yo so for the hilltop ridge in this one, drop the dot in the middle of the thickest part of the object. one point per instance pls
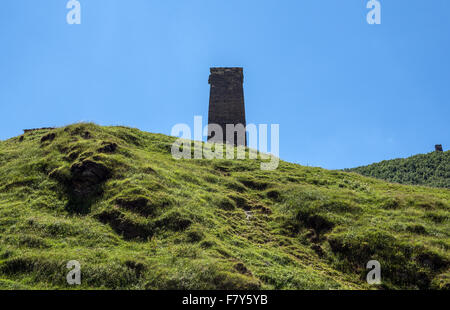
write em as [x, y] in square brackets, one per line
[431, 169]
[114, 199]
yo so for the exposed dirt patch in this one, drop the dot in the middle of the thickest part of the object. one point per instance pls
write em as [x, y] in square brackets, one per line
[432, 261]
[48, 137]
[108, 147]
[72, 156]
[241, 202]
[312, 236]
[21, 183]
[140, 205]
[227, 204]
[318, 249]
[138, 267]
[87, 176]
[223, 168]
[255, 184]
[124, 226]
[417, 229]
[149, 170]
[242, 269]
[82, 184]
[174, 221]
[195, 234]
[274, 194]
[317, 222]
[262, 209]
[235, 186]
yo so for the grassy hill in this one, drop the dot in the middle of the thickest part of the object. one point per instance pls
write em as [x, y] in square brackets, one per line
[114, 199]
[432, 169]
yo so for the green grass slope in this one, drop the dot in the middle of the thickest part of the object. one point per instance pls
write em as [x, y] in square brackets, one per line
[432, 169]
[114, 199]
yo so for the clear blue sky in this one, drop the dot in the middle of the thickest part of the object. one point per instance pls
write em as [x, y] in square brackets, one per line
[345, 93]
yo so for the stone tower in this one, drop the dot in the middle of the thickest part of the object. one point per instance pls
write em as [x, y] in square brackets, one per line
[226, 103]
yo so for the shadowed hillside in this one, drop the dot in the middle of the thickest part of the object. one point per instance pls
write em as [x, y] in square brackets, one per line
[432, 169]
[114, 199]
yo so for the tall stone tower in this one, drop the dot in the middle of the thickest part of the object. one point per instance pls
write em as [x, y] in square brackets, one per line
[226, 102]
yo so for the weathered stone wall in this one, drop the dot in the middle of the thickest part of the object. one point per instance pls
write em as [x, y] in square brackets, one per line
[226, 101]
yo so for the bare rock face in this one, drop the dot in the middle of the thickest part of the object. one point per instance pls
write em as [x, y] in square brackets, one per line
[438, 148]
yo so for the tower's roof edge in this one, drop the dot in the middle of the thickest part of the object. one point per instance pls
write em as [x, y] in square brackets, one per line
[226, 69]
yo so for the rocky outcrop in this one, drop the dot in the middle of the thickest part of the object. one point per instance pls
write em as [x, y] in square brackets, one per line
[82, 183]
[87, 176]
